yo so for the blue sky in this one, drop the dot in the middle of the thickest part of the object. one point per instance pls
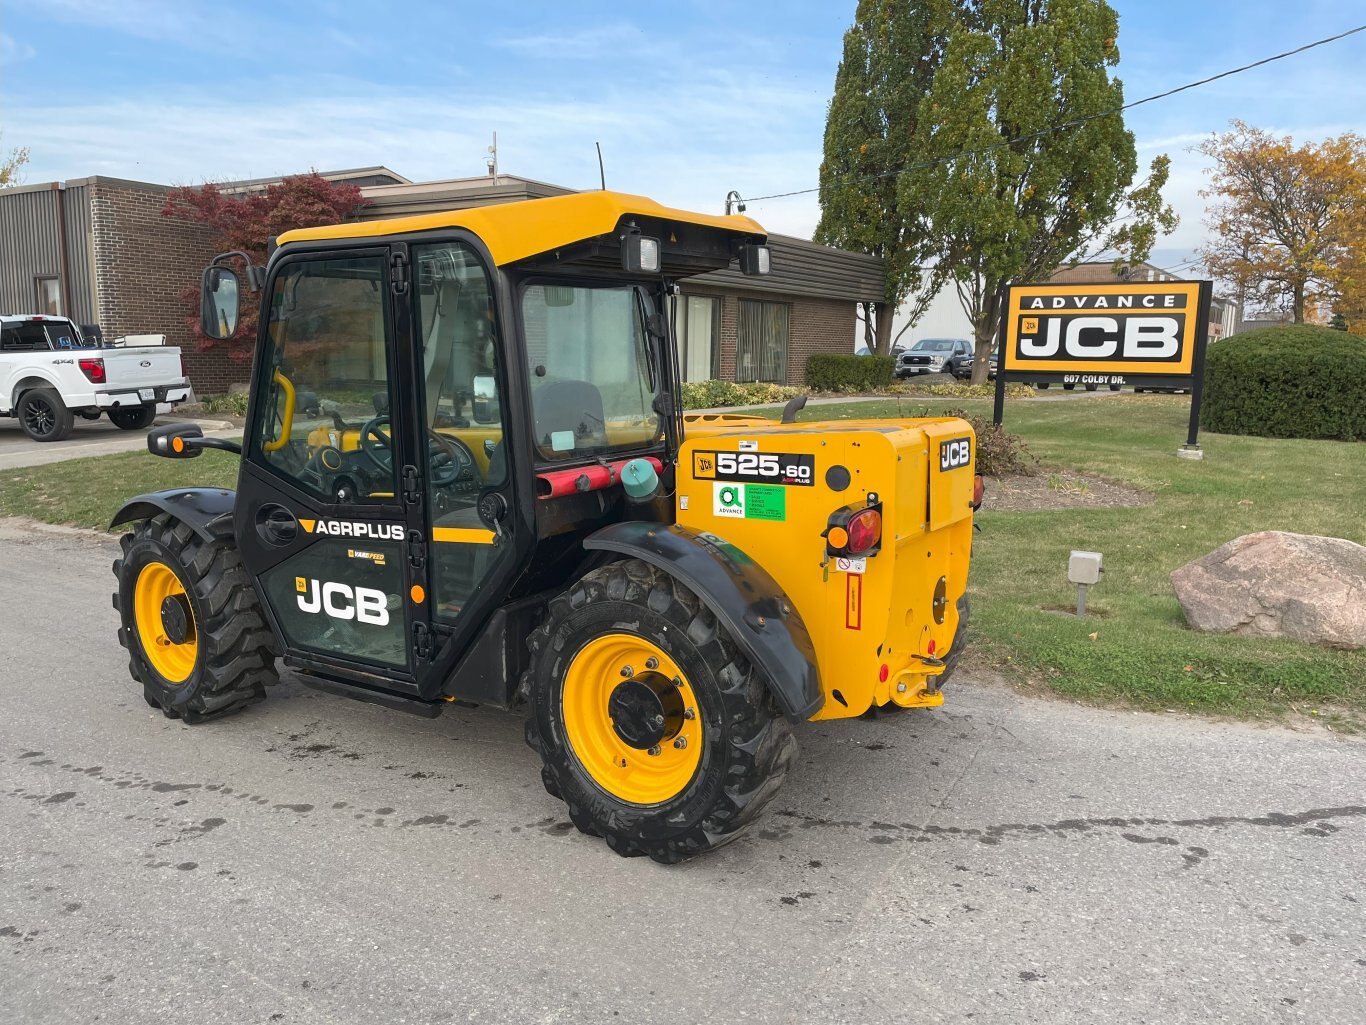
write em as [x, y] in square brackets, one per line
[689, 99]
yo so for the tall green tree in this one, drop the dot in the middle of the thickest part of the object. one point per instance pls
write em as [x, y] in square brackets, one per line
[1024, 93]
[891, 54]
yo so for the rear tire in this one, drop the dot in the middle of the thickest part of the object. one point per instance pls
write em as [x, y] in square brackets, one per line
[44, 416]
[220, 655]
[741, 746]
[137, 418]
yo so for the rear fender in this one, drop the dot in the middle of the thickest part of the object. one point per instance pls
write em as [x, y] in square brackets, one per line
[206, 511]
[743, 597]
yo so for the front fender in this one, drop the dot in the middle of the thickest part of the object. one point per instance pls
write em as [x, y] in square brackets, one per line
[206, 511]
[743, 597]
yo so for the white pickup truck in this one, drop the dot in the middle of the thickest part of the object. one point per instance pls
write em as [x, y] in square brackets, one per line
[49, 375]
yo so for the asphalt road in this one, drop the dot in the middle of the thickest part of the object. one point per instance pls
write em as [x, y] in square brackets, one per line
[87, 438]
[1003, 860]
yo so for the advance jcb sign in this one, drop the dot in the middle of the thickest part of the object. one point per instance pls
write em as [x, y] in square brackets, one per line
[1145, 333]
[1149, 334]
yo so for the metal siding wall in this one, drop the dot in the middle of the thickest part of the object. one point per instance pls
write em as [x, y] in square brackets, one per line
[80, 255]
[28, 226]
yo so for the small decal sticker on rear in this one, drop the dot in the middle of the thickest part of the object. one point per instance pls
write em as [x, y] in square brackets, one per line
[748, 446]
[749, 501]
[853, 602]
[376, 557]
[852, 564]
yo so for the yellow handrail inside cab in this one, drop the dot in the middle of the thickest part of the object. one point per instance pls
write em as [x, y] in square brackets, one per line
[287, 420]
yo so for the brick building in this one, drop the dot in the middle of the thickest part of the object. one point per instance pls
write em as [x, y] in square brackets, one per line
[98, 250]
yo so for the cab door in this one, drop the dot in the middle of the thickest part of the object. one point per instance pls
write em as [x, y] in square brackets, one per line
[459, 382]
[329, 492]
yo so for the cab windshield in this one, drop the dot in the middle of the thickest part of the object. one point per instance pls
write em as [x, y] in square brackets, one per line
[933, 345]
[590, 365]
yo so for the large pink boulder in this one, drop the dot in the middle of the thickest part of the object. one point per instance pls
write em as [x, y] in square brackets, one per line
[1276, 584]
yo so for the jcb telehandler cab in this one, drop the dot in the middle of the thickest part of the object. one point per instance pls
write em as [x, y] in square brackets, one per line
[466, 476]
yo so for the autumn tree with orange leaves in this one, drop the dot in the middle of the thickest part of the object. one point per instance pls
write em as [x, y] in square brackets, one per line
[1289, 222]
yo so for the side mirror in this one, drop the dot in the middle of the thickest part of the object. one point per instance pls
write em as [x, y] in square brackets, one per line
[174, 441]
[219, 294]
[486, 399]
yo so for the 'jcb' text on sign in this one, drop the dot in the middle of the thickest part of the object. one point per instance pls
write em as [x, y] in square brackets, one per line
[1130, 329]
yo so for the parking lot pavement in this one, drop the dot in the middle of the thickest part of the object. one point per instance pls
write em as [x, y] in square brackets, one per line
[1004, 859]
[87, 438]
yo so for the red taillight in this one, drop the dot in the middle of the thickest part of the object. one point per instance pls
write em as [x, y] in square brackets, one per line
[93, 369]
[865, 531]
[978, 488]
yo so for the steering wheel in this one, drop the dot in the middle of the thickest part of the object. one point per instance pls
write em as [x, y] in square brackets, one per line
[376, 443]
[450, 459]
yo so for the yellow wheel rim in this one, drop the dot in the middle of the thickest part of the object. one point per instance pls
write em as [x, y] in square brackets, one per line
[596, 688]
[174, 662]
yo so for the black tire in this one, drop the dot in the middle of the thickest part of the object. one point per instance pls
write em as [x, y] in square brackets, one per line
[44, 416]
[747, 745]
[1092, 387]
[1070, 386]
[1116, 387]
[136, 418]
[234, 659]
[1043, 386]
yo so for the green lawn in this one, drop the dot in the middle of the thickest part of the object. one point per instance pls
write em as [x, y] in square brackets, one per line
[1142, 652]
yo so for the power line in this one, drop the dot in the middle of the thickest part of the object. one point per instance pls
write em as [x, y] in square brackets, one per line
[1066, 124]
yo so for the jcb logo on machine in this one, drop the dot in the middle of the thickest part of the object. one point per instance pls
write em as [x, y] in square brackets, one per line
[342, 601]
[353, 528]
[954, 453]
[755, 467]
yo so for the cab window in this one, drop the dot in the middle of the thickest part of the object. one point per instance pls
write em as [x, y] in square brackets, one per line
[325, 422]
[591, 370]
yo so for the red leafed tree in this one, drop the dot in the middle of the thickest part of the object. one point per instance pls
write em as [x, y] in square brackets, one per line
[250, 222]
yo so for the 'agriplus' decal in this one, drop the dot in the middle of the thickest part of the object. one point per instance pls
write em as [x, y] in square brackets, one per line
[353, 528]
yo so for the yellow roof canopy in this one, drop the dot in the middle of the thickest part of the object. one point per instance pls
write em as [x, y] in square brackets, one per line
[515, 231]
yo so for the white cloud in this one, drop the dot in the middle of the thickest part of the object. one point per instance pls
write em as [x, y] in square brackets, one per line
[13, 52]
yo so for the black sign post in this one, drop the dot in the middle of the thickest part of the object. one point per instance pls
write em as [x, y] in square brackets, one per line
[1150, 334]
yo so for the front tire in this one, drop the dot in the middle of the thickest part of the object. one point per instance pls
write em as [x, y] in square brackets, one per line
[44, 415]
[674, 759]
[196, 638]
[136, 418]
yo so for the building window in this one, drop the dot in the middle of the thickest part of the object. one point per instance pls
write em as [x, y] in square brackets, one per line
[761, 341]
[49, 296]
[697, 324]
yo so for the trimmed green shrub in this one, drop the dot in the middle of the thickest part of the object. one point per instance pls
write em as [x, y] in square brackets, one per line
[828, 372]
[710, 394]
[1296, 381]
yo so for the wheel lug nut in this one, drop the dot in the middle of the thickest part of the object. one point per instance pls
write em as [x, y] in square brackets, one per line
[627, 672]
[688, 713]
[652, 663]
[653, 752]
[659, 720]
[680, 742]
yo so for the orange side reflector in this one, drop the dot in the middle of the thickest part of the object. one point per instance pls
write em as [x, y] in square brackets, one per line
[837, 537]
[417, 594]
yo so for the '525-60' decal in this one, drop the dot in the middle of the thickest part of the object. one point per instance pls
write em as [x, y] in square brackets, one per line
[755, 467]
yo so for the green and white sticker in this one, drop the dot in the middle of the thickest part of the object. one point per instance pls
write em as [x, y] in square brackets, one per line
[749, 501]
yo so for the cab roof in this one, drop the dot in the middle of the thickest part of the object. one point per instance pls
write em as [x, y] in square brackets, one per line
[516, 231]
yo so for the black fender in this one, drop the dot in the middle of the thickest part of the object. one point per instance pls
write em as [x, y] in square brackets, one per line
[206, 511]
[741, 594]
